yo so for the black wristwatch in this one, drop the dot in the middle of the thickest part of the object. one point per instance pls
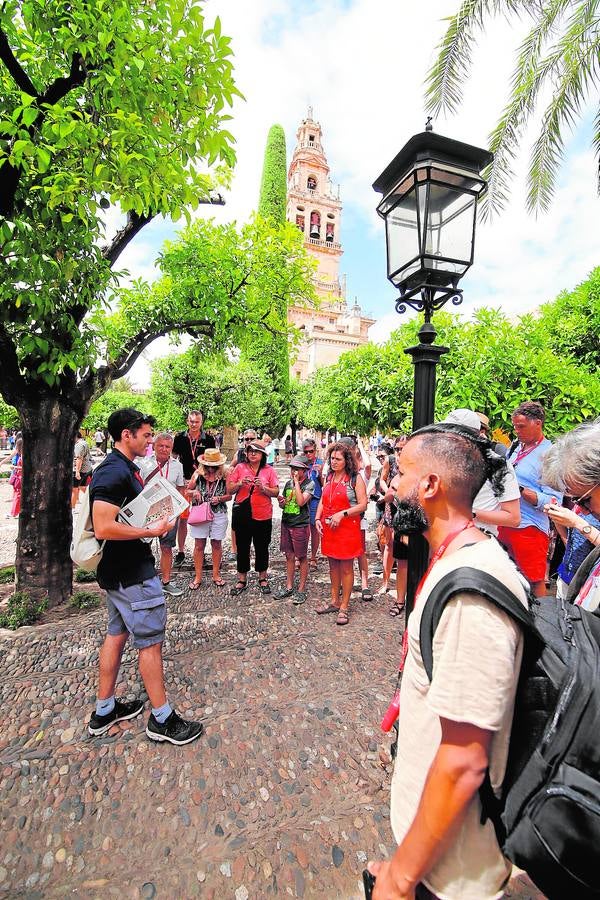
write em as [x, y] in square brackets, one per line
[345, 512]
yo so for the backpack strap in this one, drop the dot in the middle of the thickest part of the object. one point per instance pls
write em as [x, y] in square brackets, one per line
[466, 580]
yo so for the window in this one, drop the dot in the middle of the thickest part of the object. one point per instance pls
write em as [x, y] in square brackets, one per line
[311, 183]
[329, 232]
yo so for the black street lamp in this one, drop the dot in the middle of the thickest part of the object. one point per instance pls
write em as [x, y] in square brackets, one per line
[430, 192]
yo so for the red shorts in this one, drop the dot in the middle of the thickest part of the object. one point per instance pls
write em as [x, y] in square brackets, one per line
[294, 540]
[529, 549]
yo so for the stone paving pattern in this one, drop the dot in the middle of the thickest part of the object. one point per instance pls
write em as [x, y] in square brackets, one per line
[286, 794]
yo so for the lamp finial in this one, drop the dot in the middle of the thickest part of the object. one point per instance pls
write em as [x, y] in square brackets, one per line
[428, 125]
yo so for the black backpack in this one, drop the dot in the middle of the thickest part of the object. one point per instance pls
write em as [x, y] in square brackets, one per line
[547, 820]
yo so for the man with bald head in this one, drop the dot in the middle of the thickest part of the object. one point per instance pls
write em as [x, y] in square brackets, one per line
[455, 727]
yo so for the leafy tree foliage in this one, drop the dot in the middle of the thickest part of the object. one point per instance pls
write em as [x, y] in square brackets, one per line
[571, 323]
[230, 393]
[270, 352]
[9, 417]
[492, 365]
[117, 396]
[273, 185]
[559, 56]
[103, 103]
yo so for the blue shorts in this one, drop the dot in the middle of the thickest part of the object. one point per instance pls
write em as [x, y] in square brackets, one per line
[139, 609]
[313, 507]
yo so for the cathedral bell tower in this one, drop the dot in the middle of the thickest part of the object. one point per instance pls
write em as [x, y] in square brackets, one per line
[315, 206]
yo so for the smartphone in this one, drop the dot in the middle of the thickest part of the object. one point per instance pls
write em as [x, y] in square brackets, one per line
[369, 884]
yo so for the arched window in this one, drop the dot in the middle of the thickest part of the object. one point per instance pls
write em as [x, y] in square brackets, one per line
[315, 224]
[300, 222]
[311, 183]
[329, 232]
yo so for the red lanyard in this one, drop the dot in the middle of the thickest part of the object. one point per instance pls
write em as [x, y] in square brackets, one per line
[523, 453]
[436, 556]
[139, 478]
[166, 475]
[193, 446]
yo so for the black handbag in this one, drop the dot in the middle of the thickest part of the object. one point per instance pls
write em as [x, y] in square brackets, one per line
[241, 515]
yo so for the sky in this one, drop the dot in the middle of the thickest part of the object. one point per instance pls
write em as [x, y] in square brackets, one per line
[361, 65]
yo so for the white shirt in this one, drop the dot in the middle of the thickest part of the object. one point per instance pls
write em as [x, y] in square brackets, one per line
[486, 498]
[172, 469]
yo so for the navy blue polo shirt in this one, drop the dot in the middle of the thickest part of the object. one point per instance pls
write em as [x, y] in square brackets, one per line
[123, 562]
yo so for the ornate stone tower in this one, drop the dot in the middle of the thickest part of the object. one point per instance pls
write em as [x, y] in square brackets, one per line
[314, 205]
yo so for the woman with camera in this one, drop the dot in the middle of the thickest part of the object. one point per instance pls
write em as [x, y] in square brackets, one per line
[254, 484]
[337, 520]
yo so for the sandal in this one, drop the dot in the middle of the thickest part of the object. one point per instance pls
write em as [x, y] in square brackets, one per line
[384, 589]
[239, 587]
[332, 608]
[367, 595]
[264, 586]
[342, 618]
[218, 582]
[396, 610]
[194, 585]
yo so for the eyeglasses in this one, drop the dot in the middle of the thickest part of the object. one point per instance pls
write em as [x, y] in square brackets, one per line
[398, 449]
[309, 450]
[381, 457]
[584, 500]
[249, 440]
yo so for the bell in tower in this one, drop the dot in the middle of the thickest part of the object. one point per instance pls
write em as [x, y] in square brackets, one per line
[315, 225]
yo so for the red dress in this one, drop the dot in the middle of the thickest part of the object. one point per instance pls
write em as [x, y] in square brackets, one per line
[345, 541]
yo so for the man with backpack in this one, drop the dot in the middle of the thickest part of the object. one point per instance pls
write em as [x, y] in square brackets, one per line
[455, 726]
[134, 595]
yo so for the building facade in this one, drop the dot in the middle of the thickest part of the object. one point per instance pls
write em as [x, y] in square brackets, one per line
[314, 205]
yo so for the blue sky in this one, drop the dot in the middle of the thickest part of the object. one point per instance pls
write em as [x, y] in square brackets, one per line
[361, 65]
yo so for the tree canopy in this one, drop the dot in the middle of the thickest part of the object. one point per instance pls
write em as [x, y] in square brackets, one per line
[492, 366]
[558, 57]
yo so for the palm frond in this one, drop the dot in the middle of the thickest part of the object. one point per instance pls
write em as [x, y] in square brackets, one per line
[446, 77]
[529, 76]
[575, 59]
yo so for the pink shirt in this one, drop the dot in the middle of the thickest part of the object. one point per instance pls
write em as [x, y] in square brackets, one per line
[262, 506]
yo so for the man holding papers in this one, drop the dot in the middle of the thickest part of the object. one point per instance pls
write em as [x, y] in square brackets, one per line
[135, 600]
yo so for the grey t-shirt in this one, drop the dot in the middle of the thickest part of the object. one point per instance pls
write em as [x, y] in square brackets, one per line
[293, 513]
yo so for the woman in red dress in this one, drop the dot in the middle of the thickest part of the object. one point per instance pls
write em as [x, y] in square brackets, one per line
[337, 520]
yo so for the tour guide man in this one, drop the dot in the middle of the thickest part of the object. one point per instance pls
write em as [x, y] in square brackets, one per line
[456, 726]
[136, 605]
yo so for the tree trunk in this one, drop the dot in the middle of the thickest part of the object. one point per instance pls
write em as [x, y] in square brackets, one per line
[294, 430]
[44, 567]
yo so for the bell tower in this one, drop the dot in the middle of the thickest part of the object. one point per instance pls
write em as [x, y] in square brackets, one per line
[314, 205]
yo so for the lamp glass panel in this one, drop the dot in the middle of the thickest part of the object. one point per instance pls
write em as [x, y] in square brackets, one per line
[403, 235]
[448, 226]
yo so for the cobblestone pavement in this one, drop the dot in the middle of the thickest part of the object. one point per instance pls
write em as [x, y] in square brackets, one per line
[286, 794]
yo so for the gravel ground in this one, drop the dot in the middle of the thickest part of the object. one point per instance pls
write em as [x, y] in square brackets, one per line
[287, 793]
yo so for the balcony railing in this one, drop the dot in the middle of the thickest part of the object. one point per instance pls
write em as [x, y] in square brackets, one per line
[331, 245]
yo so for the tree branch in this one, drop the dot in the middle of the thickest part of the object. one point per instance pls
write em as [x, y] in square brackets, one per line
[126, 234]
[100, 380]
[135, 223]
[60, 87]
[14, 385]
[20, 76]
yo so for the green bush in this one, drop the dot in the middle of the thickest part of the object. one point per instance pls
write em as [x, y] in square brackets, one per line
[83, 576]
[85, 600]
[7, 575]
[22, 610]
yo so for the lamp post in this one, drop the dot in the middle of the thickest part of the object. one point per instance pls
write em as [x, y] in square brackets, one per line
[429, 205]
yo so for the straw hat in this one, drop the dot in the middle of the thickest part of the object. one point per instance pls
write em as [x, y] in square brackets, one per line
[212, 457]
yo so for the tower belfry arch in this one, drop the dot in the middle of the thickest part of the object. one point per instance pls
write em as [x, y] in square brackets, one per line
[314, 205]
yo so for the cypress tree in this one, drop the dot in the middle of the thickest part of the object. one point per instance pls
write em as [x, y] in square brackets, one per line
[269, 351]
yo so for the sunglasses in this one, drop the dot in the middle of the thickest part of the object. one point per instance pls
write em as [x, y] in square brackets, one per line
[249, 440]
[584, 500]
